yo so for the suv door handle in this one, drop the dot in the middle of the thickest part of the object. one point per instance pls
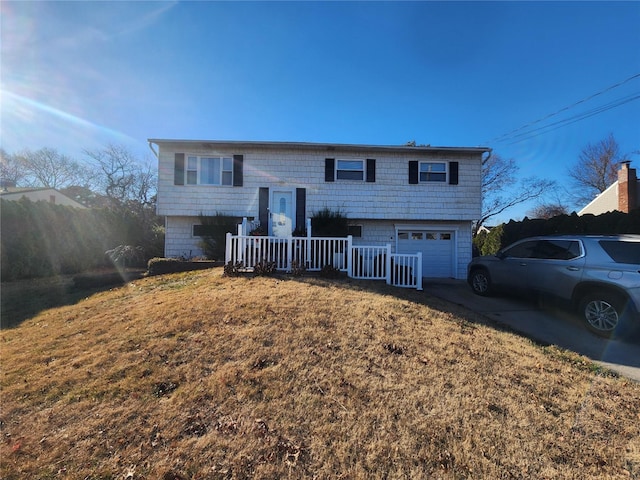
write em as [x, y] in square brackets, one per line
[573, 269]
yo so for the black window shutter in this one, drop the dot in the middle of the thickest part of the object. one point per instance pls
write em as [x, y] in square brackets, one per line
[371, 170]
[178, 169]
[301, 208]
[237, 170]
[453, 173]
[413, 172]
[329, 169]
[263, 207]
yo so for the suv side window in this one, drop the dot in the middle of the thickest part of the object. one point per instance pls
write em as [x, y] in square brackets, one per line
[557, 249]
[622, 252]
[574, 250]
[522, 250]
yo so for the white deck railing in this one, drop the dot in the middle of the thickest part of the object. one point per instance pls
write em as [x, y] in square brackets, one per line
[314, 253]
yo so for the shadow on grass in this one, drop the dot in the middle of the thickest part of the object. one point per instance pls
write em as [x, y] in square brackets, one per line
[618, 350]
[24, 299]
[409, 294]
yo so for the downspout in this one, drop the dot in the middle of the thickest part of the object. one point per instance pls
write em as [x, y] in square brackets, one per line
[152, 149]
[166, 219]
[490, 152]
[476, 224]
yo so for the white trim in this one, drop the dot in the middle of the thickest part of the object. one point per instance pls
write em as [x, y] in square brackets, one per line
[235, 144]
[446, 171]
[363, 170]
[198, 170]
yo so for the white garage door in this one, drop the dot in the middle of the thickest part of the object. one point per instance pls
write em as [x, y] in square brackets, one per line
[437, 249]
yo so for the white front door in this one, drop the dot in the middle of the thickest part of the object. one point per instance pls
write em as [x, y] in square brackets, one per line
[281, 213]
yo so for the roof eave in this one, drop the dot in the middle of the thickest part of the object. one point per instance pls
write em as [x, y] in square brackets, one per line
[317, 146]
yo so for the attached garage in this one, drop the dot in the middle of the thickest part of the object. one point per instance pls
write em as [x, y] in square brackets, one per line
[438, 249]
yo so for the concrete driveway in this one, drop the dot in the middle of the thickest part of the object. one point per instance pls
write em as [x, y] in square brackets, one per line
[545, 324]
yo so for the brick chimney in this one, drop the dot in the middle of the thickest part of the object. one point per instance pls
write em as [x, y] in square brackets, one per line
[627, 188]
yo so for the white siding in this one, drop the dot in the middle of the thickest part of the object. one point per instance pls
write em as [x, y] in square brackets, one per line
[181, 243]
[179, 239]
[376, 233]
[380, 207]
[607, 201]
[390, 196]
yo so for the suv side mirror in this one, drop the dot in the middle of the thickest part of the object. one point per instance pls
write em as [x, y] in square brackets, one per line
[500, 254]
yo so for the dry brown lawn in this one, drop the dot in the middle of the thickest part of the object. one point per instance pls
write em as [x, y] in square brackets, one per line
[198, 376]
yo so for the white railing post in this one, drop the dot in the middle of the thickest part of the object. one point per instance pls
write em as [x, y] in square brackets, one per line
[308, 245]
[388, 264]
[239, 249]
[289, 252]
[227, 254]
[349, 256]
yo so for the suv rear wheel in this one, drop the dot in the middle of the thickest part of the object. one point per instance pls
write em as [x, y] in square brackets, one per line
[602, 312]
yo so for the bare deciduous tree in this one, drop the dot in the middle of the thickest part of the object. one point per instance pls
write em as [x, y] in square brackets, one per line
[596, 169]
[47, 167]
[547, 210]
[501, 190]
[11, 171]
[122, 177]
[129, 186]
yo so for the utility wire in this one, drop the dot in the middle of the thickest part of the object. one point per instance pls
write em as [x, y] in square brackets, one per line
[509, 135]
[573, 119]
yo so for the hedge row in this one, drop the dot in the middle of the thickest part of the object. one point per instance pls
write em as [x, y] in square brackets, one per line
[160, 266]
[40, 239]
[610, 223]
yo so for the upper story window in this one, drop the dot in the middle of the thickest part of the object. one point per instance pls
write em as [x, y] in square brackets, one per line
[433, 172]
[350, 169]
[209, 170]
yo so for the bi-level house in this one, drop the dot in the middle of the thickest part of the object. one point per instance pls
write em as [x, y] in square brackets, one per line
[413, 198]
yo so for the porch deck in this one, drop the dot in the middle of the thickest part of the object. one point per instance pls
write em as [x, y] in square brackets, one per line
[315, 253]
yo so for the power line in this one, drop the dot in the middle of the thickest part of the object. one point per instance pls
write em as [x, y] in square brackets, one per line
[509, 135]
[573, 119]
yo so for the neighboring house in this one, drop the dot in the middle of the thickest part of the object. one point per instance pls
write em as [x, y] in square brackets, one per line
[485, 229]
[50, 195]
[414, 198]
[622, 195]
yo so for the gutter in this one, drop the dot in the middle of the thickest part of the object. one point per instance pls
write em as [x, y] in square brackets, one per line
[309, 146]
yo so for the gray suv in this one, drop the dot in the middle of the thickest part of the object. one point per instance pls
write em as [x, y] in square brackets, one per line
[598, 275]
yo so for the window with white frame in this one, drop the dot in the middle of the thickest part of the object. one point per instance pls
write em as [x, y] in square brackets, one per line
[433, 172]
[209, 170]
[350, 169]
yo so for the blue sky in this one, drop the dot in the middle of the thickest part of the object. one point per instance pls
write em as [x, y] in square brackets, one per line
[79, 75]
